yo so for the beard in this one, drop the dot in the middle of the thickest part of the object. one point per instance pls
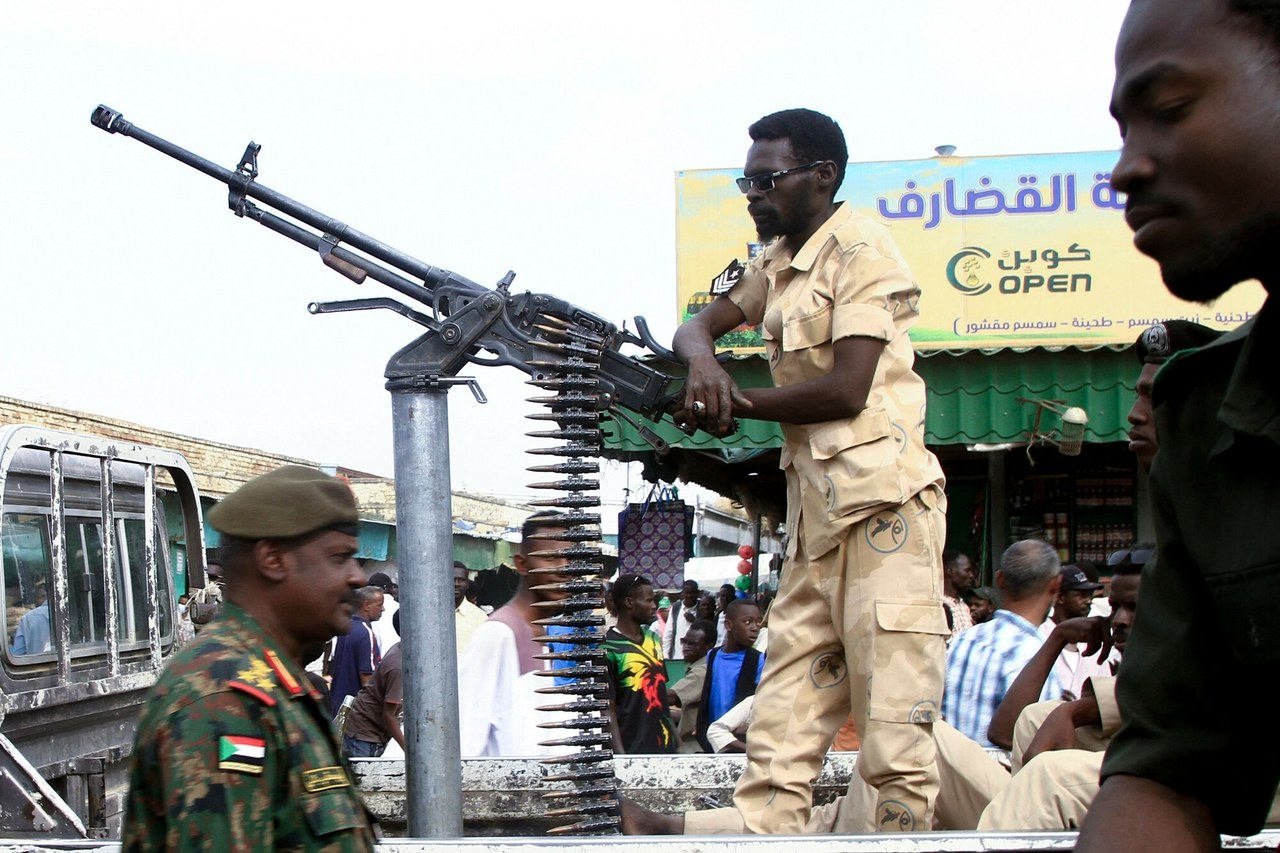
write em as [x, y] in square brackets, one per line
[770, 228]
[1224, 261]
[774, 224]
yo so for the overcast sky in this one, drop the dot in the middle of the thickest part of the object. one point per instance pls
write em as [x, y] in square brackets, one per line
[481, 137]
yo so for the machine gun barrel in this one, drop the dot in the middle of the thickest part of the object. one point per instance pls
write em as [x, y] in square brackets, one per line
[515, 335]
[242, 183]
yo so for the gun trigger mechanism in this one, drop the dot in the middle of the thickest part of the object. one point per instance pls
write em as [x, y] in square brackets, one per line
[657, 442]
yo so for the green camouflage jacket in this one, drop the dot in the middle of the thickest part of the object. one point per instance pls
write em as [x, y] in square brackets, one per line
[235, 753]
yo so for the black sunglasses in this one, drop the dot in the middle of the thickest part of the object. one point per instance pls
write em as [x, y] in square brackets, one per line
[764, 183]
[1135, 557]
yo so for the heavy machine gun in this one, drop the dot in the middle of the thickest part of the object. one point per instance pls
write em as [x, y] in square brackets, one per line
[469, 323]
[565, 350]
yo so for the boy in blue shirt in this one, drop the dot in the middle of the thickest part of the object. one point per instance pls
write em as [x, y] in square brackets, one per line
[733, 670]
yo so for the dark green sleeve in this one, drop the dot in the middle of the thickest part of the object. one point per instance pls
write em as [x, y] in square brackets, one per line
[1187, 703]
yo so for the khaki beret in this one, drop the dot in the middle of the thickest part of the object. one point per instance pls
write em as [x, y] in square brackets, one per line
[287, 502]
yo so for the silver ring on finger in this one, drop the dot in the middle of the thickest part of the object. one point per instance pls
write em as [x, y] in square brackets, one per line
[699, 408]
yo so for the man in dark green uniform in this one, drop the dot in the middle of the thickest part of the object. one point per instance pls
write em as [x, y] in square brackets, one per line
[1197, 97]
[235, 751]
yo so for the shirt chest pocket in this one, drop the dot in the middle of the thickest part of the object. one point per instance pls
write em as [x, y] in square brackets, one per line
[806, 330]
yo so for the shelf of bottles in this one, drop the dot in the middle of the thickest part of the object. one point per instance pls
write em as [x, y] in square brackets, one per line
[1104, 508]
[1085, 514]
[1040, 508]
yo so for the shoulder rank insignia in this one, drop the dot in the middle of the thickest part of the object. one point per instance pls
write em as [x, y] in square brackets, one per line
[727, 278]
[282, 672]
[241, 754]
[256, 679]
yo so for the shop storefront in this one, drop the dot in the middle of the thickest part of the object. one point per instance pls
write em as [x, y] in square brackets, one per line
[1004, 482]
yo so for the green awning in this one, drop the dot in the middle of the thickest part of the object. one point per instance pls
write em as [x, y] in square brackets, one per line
[972, 399]
[374, 540]
[973, 396]
[478, 553]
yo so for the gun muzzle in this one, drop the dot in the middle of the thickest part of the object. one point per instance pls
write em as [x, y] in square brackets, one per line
[107, 119]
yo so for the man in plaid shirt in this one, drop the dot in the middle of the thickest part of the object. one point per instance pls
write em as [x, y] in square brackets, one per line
[983, 661]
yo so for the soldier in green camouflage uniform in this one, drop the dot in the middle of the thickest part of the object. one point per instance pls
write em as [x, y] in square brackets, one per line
[235, 751]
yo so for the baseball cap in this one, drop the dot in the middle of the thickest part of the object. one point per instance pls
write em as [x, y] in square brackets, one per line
[987, 593]
[381, 580]
[1074, 578]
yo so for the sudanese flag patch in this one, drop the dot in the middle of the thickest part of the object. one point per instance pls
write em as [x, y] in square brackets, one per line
[241, 754]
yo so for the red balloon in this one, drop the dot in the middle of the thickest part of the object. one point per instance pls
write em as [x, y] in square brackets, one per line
[744, 567]
[746, 552]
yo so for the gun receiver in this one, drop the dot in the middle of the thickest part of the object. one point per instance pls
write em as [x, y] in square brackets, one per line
[532, 332]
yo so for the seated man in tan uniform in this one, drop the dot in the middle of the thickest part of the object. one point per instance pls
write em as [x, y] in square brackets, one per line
[686, 694]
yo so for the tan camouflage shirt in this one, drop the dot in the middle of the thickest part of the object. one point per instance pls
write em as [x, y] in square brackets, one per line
[235, 753]
[846, 280]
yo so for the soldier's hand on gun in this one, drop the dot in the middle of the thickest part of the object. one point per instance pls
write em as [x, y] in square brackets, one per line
[711, 399]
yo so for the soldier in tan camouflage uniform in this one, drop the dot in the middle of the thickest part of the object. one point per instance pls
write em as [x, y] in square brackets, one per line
[858, 624]
[235, 751]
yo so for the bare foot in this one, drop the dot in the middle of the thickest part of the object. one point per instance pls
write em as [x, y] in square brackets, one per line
[637, 820]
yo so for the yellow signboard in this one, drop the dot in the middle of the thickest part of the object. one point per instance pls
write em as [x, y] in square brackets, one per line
[1018, 251]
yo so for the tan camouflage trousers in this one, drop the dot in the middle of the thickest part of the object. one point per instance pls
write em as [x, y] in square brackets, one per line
[1052, 792]
[859, 631]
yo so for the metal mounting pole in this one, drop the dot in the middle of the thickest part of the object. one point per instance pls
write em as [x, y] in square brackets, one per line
[424, 540]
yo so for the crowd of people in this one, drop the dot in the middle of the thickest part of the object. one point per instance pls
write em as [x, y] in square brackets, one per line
[1129, 729]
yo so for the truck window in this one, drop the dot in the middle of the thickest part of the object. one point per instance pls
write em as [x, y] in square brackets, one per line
[132, 583]
[85, 586]
[30, 615]
[87, 589]
[24, 542]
